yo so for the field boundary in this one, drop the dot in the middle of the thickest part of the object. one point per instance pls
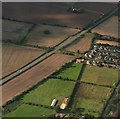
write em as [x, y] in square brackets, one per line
[108, 101]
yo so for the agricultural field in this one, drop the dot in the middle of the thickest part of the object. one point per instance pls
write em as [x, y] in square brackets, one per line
[100, 76]
[90, 99]
[70, 72]
[14, 31]
[96, 7]
[11, 61]
[45, 93]
[108, 27]
[49, 36]
[34, 75]
[30, 111]
[113, 43]
[51, 13]
[81, 44]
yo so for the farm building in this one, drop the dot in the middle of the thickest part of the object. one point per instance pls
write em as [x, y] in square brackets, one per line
[64, 103]
[54, 102]
[79, 60]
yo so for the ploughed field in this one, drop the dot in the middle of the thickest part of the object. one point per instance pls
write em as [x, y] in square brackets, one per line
[113, 43]
[56, 13]
[96, 7]
[14, 31]
[81, 44]
[34, 75]
[15, 57]
[108, 27]
[55, 35]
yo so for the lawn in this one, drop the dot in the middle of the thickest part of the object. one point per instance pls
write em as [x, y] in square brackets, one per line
[98, 75]
[53, 88]
[90, 99]
[71, 72]
[30, 111]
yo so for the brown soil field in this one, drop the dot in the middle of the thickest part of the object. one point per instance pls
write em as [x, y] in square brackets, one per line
[14, 31]
[14, 57]
[31, 77]
[107, 42]
[108, 27]
[54, 13]
[82, 44]
[57, 35]
[100, 7]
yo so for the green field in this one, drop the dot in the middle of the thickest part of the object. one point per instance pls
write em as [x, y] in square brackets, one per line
[98, 75]
[94, 92]
[90, 99]
[30, 111]
[71, 72]
[87, 107]
[53, 88]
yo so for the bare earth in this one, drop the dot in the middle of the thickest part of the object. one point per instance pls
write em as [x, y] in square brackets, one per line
[55, 13]
[108, 27]
[107, 42]
[82, 44]
[57, 35]
[31, 77]
[14, 31]
[14, 57]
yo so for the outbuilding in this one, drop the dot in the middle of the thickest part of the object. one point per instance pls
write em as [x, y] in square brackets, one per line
[54, 102]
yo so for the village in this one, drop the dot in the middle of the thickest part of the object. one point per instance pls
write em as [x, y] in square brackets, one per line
[102, 55]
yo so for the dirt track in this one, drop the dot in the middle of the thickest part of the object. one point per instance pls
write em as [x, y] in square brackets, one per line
[33, 76]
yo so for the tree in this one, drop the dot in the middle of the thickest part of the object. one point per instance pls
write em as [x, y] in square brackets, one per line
[78, 51]
[47, 32]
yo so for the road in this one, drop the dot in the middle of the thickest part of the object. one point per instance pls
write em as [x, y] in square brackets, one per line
[66, 42]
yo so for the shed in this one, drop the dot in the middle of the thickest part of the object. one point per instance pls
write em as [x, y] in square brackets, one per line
[54, 102]
[64, 103]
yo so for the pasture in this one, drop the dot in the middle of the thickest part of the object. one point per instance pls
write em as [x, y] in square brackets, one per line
[30, 111]
[53, 88]
[100, 76]
[108, 27]
[70, 72]
[14, 31]
[81, 44]
[90, 99]
[49, 36]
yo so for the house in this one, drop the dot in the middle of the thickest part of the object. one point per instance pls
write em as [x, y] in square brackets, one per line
[88, 62]
[64, 103]
[54, 102]
[79, 60]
